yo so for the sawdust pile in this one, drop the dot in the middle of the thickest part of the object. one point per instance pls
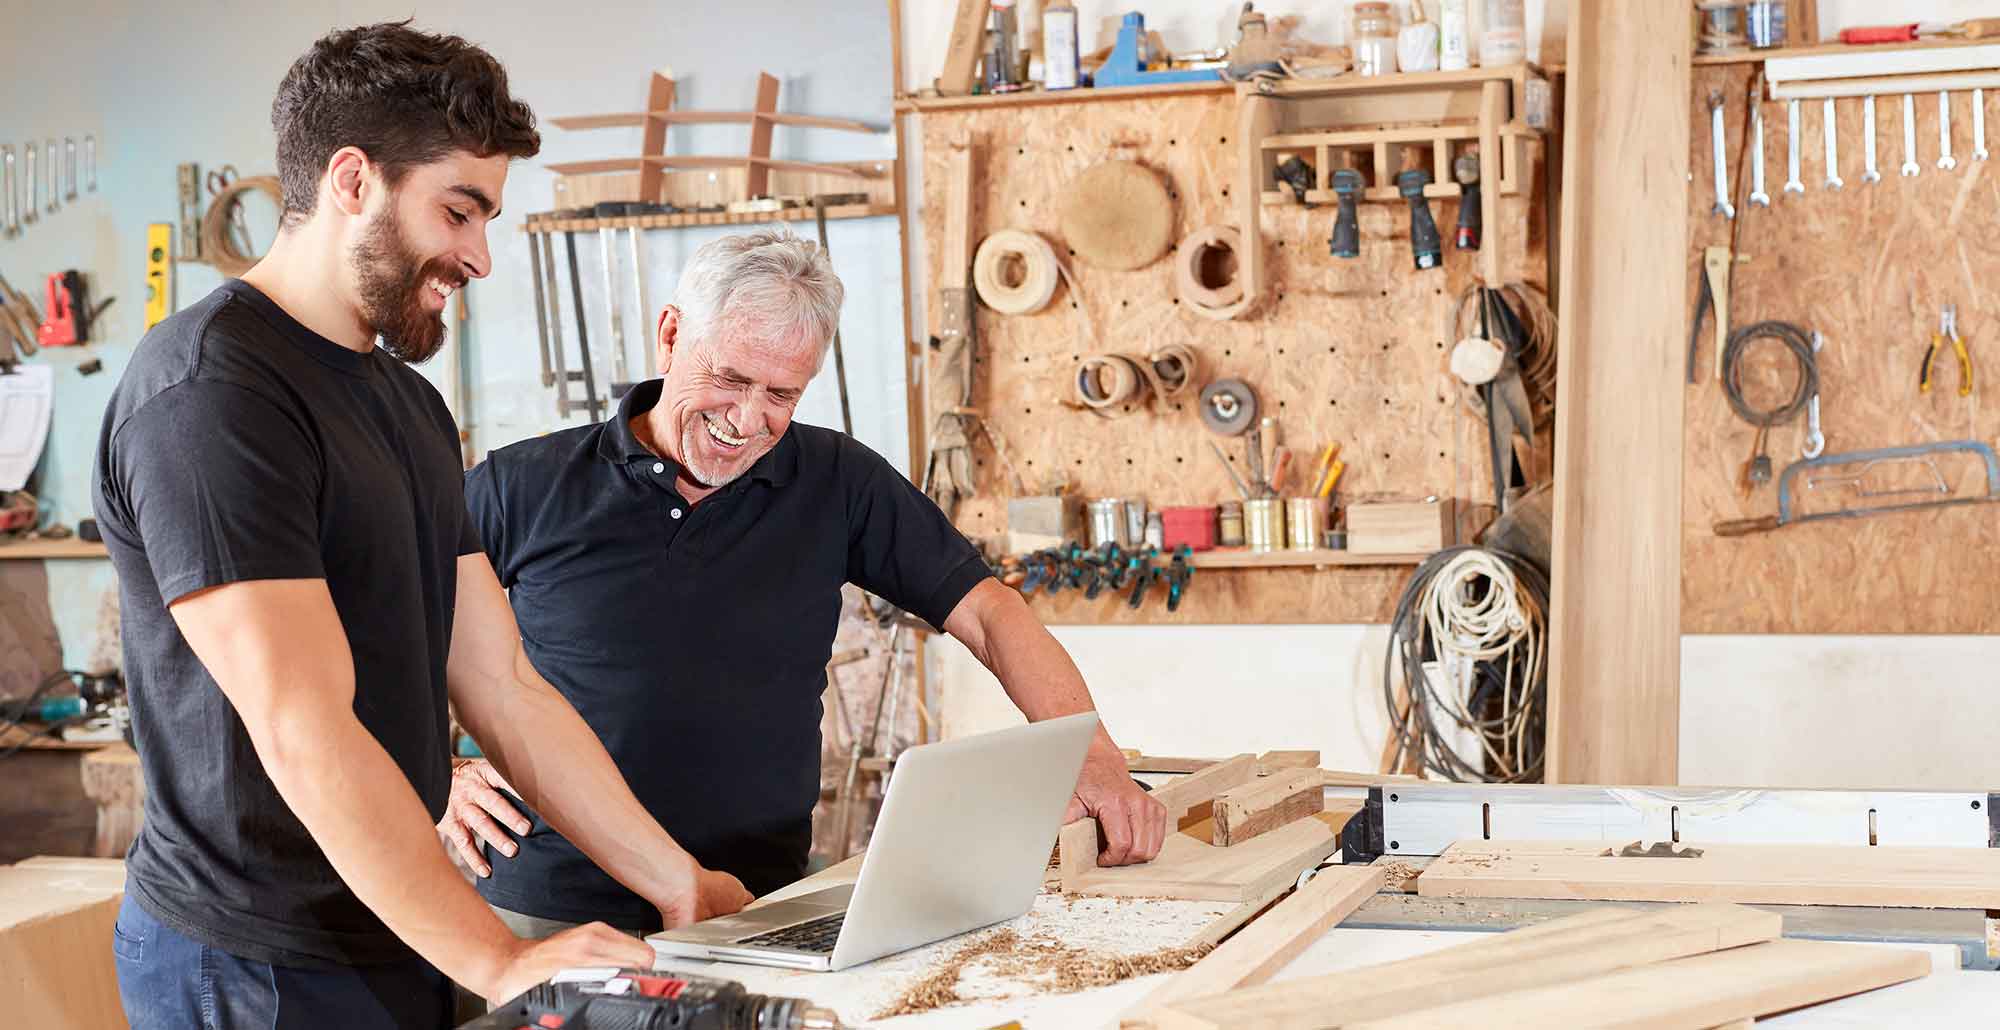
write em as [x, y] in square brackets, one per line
[1042, 961]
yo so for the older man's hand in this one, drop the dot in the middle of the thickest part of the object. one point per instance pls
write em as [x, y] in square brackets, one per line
[1134, 825]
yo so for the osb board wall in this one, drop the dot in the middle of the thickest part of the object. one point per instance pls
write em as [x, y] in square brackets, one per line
[1869, 266]
[1353, 351]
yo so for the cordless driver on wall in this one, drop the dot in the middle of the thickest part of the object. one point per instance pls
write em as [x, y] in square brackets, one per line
[1466, 171]
[1426, 248]
[1346, 239]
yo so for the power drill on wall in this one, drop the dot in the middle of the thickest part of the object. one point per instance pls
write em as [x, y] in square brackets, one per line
[628, 999]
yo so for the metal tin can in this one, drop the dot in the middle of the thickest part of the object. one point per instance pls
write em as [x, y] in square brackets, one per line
[1264, 523]
[1156, 532]
[1107, 521]
[1229, 524]
[1135, 522]
[1305, 520]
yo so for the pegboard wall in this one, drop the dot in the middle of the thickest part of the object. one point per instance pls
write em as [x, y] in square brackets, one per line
[1354, 351]
[1869, 265]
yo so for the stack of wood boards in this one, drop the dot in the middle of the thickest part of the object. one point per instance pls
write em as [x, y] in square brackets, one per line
[1751, 874]
[1699, 966]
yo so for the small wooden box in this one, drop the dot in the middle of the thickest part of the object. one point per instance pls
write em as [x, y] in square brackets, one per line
[1399, 527]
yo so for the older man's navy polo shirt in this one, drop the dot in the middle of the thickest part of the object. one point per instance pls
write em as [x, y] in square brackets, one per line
[694, 638]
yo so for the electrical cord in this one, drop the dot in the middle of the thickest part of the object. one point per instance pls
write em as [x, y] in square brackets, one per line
[1480, 617]
[219, 244]
[42, 688]
[1799, 343]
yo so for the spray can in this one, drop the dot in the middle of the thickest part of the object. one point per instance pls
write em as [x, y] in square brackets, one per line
[1059, 60]
[1454, 35]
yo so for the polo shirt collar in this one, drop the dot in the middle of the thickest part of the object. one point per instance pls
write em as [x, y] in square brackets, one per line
[617, 445]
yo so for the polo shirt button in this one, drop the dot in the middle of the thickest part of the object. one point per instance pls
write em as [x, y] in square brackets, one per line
[676, 513]
[659, 466]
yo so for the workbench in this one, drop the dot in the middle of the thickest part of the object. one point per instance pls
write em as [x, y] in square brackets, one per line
[1950, 996]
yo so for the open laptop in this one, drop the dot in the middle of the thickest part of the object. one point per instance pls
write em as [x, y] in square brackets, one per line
[962, 842]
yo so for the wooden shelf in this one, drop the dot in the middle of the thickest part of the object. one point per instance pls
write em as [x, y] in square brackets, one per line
[1753, 56]
[1238, 558]
[70, 547]
[12, 734]
[1082, 95]
[1400, 82]
[682, 221]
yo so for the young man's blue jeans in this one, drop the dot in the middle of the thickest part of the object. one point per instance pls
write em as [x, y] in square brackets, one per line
[169, 981]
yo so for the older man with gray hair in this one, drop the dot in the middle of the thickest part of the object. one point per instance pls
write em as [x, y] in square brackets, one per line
[676, 572]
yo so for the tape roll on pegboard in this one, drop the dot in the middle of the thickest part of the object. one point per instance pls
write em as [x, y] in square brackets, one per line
[994, 269]
[1118, 214]
[1171, 370]
[1206, 271]
[1107, 380]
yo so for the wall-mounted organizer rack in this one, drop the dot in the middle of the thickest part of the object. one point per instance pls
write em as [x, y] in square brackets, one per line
[1353, 351]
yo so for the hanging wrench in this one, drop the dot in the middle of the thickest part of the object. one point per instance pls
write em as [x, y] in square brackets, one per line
[1757, 194]
[1832, 131]
[1945, 160]
[69, 164]
[1722, 205]
[1792, 184]
[1910, 168]
[10, 208]
[32, 189]
[54, 172]
[1979, 125]
[1868, 129]
[1815, 440]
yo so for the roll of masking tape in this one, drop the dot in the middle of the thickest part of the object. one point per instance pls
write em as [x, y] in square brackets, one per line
[1015, 272]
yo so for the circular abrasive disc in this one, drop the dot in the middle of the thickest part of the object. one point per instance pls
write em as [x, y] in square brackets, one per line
[1117, 214]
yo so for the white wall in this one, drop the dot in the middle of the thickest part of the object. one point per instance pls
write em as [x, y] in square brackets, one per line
[195, 83]
[1799, 711]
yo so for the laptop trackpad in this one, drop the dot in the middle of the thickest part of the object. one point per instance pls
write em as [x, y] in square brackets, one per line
[775, 915]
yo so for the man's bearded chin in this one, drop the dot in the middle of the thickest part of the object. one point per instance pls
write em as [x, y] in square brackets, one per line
[392, 283]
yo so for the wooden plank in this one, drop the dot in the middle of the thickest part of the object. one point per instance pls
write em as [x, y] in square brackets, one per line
[956, 272]
[1338, 778]
[70, 547]
[1272, 761]
[758, 174]
[1231, 921]
[1706, 990]
[1268, 944]
[1573, 948]
[1043, 97]
[1192, 869]
[660, 91]
[1076, 849]
[1192, 792]
[1238, 558]
[1772, 874]
[962, 49]
[1615, 651]
[1262, 805]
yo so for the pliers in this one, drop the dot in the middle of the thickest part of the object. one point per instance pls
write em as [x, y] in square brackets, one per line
[1947, 329]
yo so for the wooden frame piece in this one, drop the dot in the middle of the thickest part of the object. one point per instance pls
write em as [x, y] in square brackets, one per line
[1268, 944]
[1263, 805]
[1192, 869]
[1272, 761]
[1560, 951]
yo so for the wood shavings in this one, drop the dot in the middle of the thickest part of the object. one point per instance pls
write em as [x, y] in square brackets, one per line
[1062, 968]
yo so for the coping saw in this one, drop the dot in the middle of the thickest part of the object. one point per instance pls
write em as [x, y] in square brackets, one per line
[1786, 517]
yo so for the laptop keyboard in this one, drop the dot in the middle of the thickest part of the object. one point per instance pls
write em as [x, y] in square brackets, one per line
[817, 935]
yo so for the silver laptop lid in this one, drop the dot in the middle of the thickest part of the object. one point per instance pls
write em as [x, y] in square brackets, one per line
[964, 836]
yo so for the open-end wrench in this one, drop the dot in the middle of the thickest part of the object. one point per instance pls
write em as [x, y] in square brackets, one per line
[1910, 166]
[54, 172]
[90, 162]
[1792, 183]
[69, 165]
[1869, 174]
[10, 206]
[1832, 131]
[1757, 194]
[1722, 205]
[1815, 442]
[1945, 160]
[1979, 125]
[32, 189]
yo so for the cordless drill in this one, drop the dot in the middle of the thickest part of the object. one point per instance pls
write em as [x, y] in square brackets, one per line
[1346, 239]
[633, 1000]
[1425, 246]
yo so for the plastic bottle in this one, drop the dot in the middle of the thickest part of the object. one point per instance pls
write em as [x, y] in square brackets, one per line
[1505, 39]
[1059, 46]
[1454, 35]
[1417, 44]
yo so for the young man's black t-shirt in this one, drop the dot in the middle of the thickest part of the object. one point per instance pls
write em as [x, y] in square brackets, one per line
[239, 445]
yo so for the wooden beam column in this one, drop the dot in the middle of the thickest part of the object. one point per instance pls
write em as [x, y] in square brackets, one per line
[652, 175]
[1614, 681]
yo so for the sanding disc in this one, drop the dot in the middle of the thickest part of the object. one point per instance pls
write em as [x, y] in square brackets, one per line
[1117, 214]
[1228, 407]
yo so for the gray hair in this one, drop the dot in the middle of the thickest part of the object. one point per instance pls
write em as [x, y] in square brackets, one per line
[769, 278]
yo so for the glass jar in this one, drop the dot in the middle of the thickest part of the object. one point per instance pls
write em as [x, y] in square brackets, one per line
[1373, 41]
[1504, 40]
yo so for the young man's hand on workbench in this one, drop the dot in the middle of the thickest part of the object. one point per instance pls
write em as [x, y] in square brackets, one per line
[533, 961]
[1134, 825]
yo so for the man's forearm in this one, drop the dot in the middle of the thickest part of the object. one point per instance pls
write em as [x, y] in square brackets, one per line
[364, 815]
[548, 753]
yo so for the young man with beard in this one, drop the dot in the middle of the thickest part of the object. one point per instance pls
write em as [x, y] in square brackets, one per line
[676, 571]
[303, 590]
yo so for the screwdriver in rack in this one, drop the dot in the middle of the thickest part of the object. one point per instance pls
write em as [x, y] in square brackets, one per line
[1973, 28]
